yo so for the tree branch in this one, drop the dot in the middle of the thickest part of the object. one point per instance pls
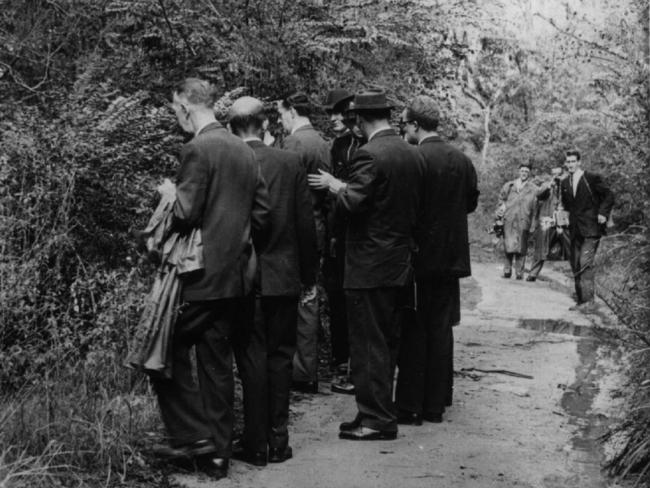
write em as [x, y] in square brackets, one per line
[171, 29]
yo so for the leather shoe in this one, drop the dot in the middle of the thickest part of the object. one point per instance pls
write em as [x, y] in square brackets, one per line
[368, 434]
[506, 275]
[531, 278]
[247, 456]
[344, 387]
[215, 467]
[199, 448]
[354, 424]
[305, 386]
[279, 454]
[409, 418]
[519, 277]
[435, 418]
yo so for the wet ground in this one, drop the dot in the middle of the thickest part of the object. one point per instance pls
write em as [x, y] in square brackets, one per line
[535, 388]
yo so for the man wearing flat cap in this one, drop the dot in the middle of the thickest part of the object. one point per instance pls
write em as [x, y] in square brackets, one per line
[314, 154]
[381, 199]
[348, 140]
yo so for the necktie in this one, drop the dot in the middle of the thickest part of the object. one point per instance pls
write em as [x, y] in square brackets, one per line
[571, 185]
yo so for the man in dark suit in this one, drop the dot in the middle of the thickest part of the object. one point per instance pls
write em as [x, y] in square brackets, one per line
[288, 259]
[381, 199]
[220, 190]
[425, 380]
[314, 154]
[348, 140]
[589, 202]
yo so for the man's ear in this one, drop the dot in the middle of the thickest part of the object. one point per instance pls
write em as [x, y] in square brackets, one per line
[294, 114]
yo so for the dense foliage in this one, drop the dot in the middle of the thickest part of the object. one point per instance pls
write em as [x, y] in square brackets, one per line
[86, 133]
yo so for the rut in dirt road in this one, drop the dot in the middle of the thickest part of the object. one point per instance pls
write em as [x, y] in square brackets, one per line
[531, 396]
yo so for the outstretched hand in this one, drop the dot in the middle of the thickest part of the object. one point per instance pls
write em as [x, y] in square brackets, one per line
[324, 180]
[167, 187]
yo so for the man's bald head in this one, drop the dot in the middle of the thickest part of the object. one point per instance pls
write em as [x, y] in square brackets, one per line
[246, 117]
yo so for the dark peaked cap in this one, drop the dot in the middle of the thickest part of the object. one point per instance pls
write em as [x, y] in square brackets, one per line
[370, 100]
[334, 97]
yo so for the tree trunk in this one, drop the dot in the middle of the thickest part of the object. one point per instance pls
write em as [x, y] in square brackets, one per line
[486, 133]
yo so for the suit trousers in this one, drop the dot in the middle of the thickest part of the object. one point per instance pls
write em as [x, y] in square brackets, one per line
[192, 411]
[333, 271]
[425, 378]
[276, 317]
[305, 360]
[374, 326]
[583, 252]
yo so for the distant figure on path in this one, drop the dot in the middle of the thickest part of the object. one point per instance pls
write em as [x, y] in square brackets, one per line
[517, 208]
[589, 202]
[551, 234]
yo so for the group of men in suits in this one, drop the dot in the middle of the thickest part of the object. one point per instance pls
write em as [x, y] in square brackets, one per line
[523, 206]
[388, 212]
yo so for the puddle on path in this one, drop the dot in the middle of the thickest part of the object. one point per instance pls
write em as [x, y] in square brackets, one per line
[556, 326]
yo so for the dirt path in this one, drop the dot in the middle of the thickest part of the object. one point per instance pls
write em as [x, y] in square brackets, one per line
[502, 431]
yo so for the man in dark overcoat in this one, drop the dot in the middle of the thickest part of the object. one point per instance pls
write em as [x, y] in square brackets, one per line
[219, 190]
[288, 259]
[589, 202]
[314, 154]
[381, 199]
[424, 383]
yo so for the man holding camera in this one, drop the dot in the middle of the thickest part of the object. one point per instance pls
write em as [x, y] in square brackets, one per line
[551, 234]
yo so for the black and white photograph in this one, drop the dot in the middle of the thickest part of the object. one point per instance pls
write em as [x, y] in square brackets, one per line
[324, 244]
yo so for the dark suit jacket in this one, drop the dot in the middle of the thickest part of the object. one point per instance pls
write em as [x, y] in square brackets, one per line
[314, 154]
[289, 257]
[219, 189]
[449, 194]
[586, 205]
[381, 199]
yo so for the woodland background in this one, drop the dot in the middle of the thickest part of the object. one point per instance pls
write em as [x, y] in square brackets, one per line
[86, 134]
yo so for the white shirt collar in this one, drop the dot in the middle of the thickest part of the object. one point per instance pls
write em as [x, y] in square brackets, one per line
[300, 126]
[375, 132]
[427, 138]
[252, 138]
[197, 132]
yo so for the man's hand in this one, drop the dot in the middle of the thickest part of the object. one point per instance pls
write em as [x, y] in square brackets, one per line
[167, 188]
[325, 180]
[501, 210]
[307, 295]
[602, 219]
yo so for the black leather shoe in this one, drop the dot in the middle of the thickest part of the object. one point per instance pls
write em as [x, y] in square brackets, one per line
[519, 277]
[531, 278]
[216, 468]
[368, 434]
[355, 424]
[435, 418]
[280, 455]
[305, 386]
[344, 387]
[198, 448]
[409, 418]
[506, 275]
[250, 457]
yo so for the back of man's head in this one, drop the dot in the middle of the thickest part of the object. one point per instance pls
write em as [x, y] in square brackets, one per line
[197, 92]
[299, 102]
[424, 110]
[246, 116]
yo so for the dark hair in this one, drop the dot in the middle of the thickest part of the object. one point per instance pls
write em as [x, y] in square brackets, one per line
[526, 165]
[197, 91]
[300, 102]
[374, 114]
[573, 152]
[252, 121]
[424, 111]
